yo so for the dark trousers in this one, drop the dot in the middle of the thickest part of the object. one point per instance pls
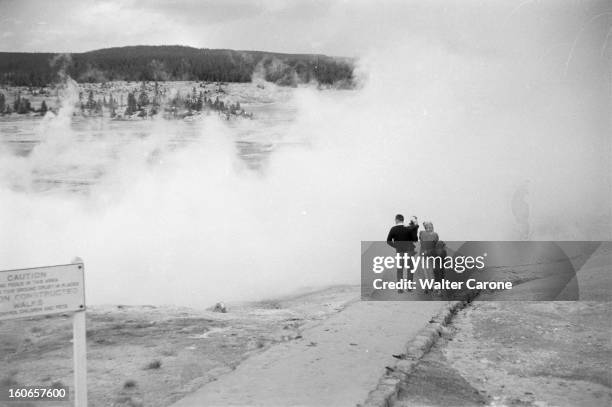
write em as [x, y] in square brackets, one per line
[408, 266]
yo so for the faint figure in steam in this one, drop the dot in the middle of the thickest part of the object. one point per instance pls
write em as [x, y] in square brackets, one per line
[520, 210]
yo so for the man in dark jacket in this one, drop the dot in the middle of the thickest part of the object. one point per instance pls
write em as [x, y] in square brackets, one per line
[402, 239]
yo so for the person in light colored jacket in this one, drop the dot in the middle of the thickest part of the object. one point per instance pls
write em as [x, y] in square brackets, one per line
[428, 239]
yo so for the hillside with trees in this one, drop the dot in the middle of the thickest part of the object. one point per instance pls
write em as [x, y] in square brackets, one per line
[171, 63]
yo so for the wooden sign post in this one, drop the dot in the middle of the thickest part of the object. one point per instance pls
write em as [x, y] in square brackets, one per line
[26, 293]
[79, 343]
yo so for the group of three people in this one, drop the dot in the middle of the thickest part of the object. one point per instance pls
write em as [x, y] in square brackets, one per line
[405, 238]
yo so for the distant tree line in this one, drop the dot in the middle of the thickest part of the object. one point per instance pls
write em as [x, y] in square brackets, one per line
[148, 102]
[20, 105]
[161, 63]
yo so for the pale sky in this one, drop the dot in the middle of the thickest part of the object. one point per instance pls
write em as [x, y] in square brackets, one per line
[334, 27]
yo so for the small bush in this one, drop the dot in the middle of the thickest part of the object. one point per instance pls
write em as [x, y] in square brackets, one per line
[155, 364]
[57, 384]
[129, 384]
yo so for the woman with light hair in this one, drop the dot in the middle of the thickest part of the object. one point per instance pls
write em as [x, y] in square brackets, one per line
[428, 239]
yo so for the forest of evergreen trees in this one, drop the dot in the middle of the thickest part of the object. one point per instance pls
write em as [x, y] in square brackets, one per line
[150, 102]
[160, 63]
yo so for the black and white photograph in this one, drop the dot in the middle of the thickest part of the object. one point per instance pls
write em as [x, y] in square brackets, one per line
[306, 203]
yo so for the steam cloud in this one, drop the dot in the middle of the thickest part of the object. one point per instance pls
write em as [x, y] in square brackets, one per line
[447, 135]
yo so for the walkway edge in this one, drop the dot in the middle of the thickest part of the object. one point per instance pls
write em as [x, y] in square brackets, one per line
[386, 392]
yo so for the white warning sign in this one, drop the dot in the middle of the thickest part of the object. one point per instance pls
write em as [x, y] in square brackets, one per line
[43, 290]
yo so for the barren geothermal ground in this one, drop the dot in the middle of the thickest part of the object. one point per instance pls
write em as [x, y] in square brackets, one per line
[152, 356]
[518, 354]
[528, 353]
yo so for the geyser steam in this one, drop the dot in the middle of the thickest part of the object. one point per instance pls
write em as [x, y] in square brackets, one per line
[444, 135]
